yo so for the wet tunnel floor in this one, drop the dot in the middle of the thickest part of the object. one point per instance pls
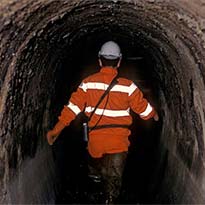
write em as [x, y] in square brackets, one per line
[75, 187]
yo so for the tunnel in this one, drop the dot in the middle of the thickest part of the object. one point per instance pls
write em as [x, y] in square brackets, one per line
[49, 46]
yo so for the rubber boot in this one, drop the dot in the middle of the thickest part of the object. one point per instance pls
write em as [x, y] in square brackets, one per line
[109, 200]
[113, 167]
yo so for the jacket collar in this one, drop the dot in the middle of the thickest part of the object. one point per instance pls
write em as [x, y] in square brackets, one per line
[109, 70]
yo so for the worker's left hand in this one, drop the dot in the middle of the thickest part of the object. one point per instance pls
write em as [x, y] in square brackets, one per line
[51, 136]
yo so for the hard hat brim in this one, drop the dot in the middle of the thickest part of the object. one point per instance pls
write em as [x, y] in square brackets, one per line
[110, 57]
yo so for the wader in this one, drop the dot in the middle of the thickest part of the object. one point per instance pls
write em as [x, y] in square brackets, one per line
[108, 170]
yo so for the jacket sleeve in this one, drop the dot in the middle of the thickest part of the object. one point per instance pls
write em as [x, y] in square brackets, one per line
[140, 105]
[75, 105]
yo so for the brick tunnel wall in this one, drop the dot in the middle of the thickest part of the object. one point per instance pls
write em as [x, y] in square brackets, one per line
[36, 36]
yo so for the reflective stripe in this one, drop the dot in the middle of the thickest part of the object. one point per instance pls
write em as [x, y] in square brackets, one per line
[125, 89]
[74, 108]
[132, 88]
[103, 86]
[147, 111]
[94, 85]
[109, 113]
[83, 86]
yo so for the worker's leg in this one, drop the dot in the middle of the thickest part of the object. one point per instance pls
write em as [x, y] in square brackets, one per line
[112, 170]
[96, 193]
[94, 169]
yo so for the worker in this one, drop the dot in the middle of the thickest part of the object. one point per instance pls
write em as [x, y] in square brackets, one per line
[109, 126]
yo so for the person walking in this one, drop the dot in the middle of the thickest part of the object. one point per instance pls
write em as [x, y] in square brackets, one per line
[109, 121]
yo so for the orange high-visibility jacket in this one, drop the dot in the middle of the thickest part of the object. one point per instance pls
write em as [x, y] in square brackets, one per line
[114, 110]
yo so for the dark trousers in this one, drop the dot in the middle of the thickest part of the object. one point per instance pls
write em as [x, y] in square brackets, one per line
[109, 169]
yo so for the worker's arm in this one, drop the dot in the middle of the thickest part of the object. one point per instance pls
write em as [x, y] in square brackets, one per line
[69, 112]
[141, 106]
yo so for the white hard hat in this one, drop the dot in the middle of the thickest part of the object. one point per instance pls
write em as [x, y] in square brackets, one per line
[110, 50]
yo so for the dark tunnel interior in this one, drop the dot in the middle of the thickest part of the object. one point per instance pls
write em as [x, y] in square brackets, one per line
[70, 150]
[48, 47]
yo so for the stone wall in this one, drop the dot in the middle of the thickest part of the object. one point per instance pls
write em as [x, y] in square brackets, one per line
[36, 36]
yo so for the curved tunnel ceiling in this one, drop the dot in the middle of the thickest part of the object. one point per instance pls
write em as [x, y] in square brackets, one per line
[37, 37]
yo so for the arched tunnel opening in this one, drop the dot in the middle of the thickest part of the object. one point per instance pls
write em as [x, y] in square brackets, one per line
[48, 47]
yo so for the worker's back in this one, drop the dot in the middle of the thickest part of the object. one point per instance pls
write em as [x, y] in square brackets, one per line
[114, 109]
